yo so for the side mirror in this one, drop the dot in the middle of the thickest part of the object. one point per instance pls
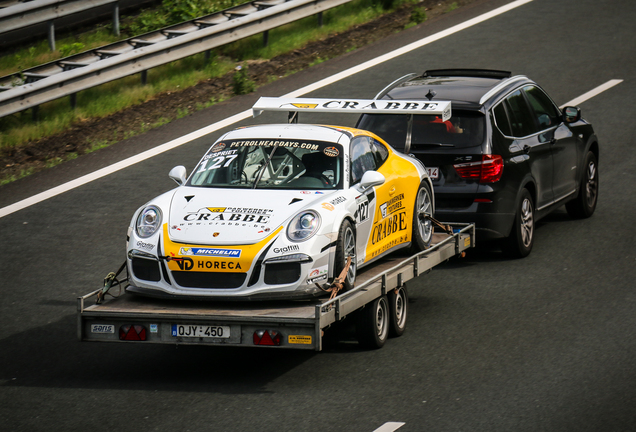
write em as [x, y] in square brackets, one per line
[571, 114]
[370, 179]
[178, 174]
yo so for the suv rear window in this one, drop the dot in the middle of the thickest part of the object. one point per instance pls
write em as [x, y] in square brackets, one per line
[464, 129]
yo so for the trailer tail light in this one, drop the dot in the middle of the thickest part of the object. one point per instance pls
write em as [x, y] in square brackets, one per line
[267, 337]
[488, 170]
[132, 332]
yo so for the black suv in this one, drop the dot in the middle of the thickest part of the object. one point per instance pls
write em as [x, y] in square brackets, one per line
[507, 157]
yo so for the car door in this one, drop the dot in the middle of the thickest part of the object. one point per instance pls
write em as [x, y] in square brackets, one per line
[363, 160]
[562, 142]
[537, 146]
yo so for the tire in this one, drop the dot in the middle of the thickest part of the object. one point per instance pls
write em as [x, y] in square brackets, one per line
[398, 309]
[372, 326]
[422, 225]
[346, 246]
[519, 243]
[584, 204]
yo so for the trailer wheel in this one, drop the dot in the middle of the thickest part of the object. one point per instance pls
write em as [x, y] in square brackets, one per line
[372, 326]
[422, 224]
[345, 247]
[398, 307]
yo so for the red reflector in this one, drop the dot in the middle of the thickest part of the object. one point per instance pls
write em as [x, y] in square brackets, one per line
[483, 200]
[488, 170]
[132, 333]
[267, 337]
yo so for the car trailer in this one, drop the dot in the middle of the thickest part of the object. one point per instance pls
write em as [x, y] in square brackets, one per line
[379, 302]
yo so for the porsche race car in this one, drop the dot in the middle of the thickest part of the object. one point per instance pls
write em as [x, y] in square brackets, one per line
[275, 211]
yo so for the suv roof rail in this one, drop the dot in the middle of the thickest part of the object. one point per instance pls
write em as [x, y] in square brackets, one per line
[479, 73]
[395, 83]
[490, 93]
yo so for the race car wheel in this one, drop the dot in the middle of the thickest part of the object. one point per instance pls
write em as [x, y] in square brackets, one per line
[584, 204]
[422, 224]
[345, 247]
[398, 307]
[519, 243]
[372, 326]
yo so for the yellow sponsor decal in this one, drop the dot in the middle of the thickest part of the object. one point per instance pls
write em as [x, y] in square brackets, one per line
[328, 206]
[305, 106]
[467, 242]
[395, 199]
[299, 339]
[217, 209]
[235, 258]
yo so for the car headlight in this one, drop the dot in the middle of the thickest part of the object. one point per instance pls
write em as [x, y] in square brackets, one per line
[148, 221]
[304, 225]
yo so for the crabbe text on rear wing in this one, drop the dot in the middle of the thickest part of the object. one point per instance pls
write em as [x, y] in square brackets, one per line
[353, 106]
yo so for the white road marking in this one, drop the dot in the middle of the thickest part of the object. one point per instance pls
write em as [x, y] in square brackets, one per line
[589, 95]
[245, 114]
[389, 427]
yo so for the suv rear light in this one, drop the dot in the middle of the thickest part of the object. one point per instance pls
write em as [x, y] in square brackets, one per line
[488, 170]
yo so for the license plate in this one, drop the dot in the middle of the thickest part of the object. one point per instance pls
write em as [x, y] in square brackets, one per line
[102, 328]
[200, 331]
[433, 172]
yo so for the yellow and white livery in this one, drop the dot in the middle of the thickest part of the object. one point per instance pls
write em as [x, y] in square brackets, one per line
[274, 211]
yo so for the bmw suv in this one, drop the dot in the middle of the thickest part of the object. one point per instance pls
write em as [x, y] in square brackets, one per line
[507, 157]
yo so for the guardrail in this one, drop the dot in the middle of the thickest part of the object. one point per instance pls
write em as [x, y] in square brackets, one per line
[72, 74]
[24, 14]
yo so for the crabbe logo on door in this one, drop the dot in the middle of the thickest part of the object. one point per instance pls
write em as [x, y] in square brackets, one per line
[388, 226]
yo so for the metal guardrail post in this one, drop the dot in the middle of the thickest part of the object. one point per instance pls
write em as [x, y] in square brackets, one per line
[116, 18]
[51, 35]
[319, 19]
[144, 77]
[265, 38]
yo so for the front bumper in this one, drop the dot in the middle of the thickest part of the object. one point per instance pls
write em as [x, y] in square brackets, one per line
[265, 280]
[261, 296]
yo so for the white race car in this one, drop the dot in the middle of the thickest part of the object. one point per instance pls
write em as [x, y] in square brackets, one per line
[274, 211]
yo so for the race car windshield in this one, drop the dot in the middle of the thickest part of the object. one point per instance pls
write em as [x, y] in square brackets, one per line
[271, 164]
[463, 129]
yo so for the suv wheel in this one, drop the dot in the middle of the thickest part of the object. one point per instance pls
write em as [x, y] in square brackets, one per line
[584, 204]
[519, 243]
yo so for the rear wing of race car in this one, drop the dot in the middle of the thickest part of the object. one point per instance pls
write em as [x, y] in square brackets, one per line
[354, 106]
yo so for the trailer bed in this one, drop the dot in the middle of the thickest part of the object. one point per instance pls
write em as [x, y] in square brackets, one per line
[300, 323]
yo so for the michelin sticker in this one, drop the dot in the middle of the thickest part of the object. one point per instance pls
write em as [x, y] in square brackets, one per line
[212, 252]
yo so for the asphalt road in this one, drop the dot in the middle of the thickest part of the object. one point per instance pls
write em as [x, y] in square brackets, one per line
[547, 343]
